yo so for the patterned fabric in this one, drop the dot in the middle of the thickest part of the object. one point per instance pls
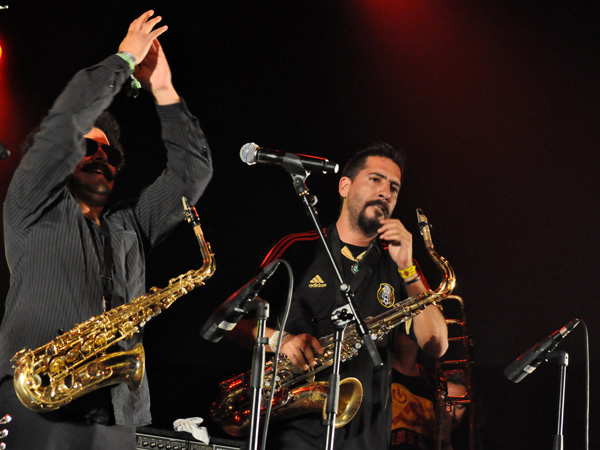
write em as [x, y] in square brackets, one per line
[413, 422]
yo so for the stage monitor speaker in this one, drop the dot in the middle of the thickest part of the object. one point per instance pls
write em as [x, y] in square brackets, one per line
[156, 439]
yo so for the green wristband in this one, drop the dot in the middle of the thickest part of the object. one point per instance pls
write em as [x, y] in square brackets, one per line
[129, 58]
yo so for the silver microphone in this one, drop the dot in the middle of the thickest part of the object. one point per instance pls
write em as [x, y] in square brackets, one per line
[251, 154]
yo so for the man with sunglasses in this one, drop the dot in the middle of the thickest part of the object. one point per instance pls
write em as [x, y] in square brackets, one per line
[72, 255]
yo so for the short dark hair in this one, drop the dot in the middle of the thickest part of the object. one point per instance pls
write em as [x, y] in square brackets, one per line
[107, 123]
[382, 149]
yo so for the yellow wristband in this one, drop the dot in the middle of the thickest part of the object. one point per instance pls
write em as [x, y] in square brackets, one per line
[408, 272]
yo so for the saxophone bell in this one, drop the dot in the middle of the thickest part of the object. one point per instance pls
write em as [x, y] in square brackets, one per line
[287, 403]
[312, 397]
[111, 368]
[350, 399]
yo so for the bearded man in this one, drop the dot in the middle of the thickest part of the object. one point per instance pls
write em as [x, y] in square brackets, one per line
[369, 186]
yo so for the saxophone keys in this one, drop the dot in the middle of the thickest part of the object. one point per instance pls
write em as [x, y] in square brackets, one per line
[51, 349]
[52, 393]
[95, 370]
[128, 328]
[33, 382]
[72, 355]
[87, 346]
[62, 388]
[57, 366]
[100, 341]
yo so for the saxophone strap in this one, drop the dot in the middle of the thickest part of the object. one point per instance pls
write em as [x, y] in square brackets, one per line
[105, 262]
[107, 280]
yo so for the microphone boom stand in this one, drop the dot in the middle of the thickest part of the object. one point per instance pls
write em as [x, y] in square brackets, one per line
[563, 361]
[342, 316]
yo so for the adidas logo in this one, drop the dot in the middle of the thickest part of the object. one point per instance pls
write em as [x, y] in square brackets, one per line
[317, 282]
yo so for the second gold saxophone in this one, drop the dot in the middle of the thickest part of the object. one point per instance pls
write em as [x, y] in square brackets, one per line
[232, 411]
[80, 360]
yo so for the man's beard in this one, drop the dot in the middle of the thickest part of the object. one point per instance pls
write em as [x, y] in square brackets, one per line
[370, 225]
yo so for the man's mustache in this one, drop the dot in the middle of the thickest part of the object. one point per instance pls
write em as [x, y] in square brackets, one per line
[95, 166]
[383, 205]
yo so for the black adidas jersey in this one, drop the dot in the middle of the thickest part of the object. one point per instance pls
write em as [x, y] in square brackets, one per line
[315, 296]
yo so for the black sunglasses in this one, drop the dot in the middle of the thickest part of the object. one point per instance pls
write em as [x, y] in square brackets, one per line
[113, 156]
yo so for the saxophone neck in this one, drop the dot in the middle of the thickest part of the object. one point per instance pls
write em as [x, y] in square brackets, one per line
[208, 260]
[191, 216]
[448, 278]
[425, 229]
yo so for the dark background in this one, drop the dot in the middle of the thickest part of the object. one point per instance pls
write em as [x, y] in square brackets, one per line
[496, 104]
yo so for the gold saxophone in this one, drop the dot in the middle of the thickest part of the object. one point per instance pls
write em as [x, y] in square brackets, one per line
[81, 361]
[232, 409]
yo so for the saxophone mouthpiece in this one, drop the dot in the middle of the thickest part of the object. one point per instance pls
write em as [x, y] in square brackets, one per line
[424, 228]
[190, 212]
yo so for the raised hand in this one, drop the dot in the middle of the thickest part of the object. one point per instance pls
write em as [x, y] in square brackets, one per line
[399, 241]
[141, 35]
[154, 74]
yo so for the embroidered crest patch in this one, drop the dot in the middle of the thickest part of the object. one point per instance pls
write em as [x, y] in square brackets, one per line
[386, 295]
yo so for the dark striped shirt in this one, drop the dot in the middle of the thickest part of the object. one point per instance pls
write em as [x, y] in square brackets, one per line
[55, 271]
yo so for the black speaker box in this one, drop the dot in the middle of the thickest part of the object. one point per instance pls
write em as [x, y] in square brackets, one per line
[153, 438]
